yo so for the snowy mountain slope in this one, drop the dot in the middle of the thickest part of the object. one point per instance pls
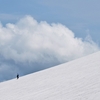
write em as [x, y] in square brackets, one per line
[75, 80]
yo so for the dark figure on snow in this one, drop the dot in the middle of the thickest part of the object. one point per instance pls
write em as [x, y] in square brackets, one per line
[17, 76]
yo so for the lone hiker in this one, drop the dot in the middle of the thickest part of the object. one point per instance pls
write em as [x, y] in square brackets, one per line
[17, 76]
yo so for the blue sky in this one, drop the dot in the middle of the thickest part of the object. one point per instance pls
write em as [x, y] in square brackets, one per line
[81, 16]
[35, 34]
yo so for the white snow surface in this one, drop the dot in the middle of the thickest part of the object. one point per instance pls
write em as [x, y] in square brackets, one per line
[76, 80]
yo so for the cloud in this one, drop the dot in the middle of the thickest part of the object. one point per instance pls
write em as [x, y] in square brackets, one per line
[28, 46]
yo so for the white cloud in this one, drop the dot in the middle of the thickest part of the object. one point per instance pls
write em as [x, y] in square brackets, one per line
[30, 45]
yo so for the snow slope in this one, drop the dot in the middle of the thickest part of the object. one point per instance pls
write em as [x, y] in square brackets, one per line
[75, 80]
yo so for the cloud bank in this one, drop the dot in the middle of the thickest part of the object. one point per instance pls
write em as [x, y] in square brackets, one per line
[28, 46]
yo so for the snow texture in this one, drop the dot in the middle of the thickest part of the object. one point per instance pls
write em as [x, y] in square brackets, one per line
[75, 80]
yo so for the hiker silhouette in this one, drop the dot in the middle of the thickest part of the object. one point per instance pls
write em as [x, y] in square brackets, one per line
[17, 76]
